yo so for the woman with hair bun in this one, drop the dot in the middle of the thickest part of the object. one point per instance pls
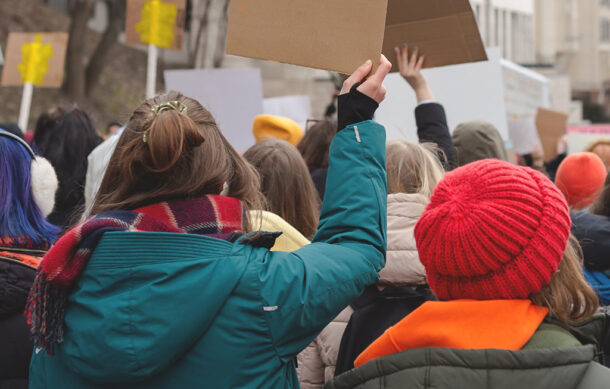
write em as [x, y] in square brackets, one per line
[168, 284]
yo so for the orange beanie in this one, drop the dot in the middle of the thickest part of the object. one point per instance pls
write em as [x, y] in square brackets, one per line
[580, 178]
[270, 126]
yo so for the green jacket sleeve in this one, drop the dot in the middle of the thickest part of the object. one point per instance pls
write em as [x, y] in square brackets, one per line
[304, 290]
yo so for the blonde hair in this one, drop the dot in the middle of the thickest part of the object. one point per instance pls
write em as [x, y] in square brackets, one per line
[601, 147]
[568, 296]
[413, 168]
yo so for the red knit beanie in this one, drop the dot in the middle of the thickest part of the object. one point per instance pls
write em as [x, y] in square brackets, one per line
[581, 178]
[492, 230]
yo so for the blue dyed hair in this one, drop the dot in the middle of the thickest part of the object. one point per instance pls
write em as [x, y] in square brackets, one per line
[20, 218]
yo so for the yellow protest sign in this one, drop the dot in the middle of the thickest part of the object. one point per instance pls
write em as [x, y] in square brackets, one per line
[36, 57]
[156, 26]
[35, 60]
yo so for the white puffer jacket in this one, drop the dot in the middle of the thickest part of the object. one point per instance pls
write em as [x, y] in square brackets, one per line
[316, 364]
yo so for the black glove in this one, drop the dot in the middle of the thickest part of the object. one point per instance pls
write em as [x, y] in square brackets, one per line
[355, 107]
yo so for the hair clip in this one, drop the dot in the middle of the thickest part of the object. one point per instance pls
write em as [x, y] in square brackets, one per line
[169, 105]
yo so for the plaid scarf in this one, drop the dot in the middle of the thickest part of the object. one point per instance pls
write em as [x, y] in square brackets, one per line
[215, 216]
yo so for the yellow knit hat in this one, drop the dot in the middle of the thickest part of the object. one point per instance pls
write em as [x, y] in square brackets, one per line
[270, 126]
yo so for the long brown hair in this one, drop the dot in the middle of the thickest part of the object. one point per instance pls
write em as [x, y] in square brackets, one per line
[568, 296]
[173, 155]
[315, 144]
[286, 184]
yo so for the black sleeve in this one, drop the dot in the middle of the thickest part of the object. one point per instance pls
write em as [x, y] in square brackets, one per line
[354, 107]
[432, 127]
[553, 165]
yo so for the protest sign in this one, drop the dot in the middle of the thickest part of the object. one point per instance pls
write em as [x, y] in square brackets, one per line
[468, 92]
[233, 96]
[524, 90]
[158, 23]
[34, 59]
[523, 134]
[580, 138]
[551, 127]
[297, 108]
[340, 35]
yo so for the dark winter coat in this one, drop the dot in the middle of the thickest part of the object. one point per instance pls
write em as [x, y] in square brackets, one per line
[16, 279]
[439, 368]
[374, 312]
[593, 234]
[432, 128]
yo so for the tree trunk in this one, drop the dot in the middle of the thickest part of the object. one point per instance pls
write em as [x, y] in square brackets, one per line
[75, 83]
[201, 45]
[221, 41]
[101, 55]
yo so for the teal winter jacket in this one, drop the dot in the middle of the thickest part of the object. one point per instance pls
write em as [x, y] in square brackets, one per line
[163, 310]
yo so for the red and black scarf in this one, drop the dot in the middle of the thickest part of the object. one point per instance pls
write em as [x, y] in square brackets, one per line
[215, 216]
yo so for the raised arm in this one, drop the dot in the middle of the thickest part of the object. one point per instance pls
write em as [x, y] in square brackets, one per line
[309, 287]
[429, 115]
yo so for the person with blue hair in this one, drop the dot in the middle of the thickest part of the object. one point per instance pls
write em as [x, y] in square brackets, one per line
[27, 195]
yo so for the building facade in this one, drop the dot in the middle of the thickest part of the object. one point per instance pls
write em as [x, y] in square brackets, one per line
[509, 25]
[574, 36]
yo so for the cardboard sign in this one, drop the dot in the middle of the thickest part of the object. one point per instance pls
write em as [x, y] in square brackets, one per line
[35, 57]
[233, 96]
[580, 138]
[445, 31]
[340, 35]
[297, 108]
[468, 92]
[551, 127]
[157, 22]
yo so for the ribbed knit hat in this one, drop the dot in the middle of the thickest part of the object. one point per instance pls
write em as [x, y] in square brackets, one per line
[581, 177]
[492, 230]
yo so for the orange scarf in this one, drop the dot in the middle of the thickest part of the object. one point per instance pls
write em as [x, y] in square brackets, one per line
[461, 324]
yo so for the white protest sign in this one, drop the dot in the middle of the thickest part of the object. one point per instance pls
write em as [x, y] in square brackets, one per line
[297, 108]
[468, 92]
[233, 96]
[580, 138]
[523, 134]
[524, 91]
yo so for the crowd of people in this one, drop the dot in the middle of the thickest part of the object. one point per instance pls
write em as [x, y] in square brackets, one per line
[162, 257]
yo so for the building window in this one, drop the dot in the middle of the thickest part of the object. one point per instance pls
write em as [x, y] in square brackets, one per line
[605, 3]
[604, 30]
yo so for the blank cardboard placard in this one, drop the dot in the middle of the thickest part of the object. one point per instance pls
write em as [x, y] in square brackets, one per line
[339, 35]
[14, 57]
[233, 96]
[134, 16]
[445, 31]
[580, 138]
[551, 127]
[471, 91]
[297, 108]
